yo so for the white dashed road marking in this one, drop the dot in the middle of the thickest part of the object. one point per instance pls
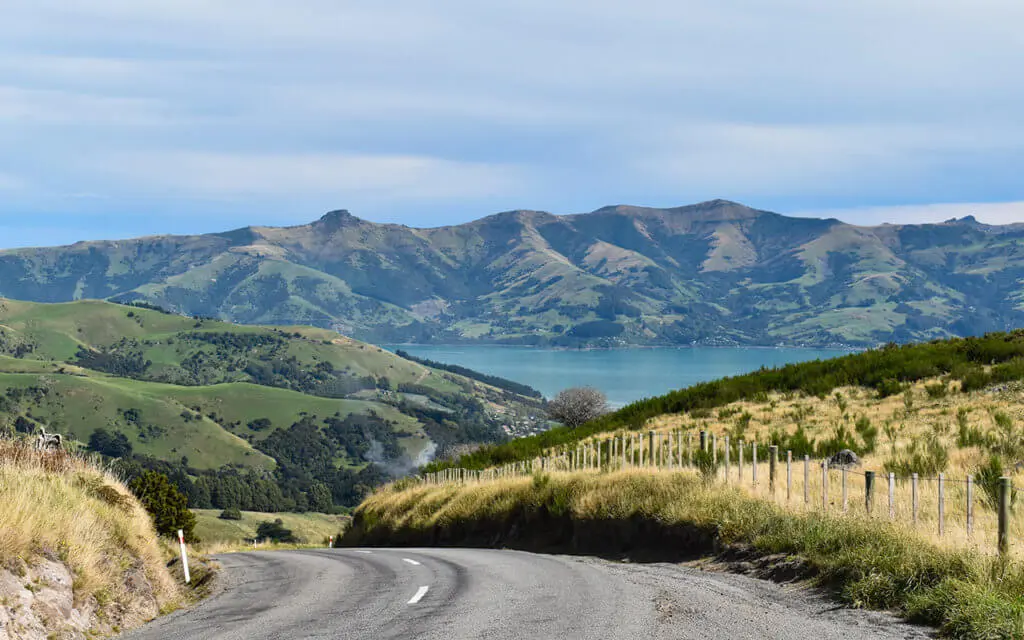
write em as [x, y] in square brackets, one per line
[419, 595]
[412, 562]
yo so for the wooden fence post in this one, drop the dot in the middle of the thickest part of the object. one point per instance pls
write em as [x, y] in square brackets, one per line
[739, 454]
[728, 454]
[824, 485]
[970, 505]
[892, 495]
[789, 474]
[650, 448]
[913, 495]
[671, 458]
[844, 489]
[1005, 491]
[703, 441]
[753, 461]
[773, 461]
[942, 504]
[807, 479]
[869, 485]
[714, 449]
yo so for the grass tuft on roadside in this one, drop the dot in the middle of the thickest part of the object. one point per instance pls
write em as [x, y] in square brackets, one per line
[870, 562]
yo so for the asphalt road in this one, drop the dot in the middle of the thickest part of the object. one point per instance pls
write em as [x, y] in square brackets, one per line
[474, 593]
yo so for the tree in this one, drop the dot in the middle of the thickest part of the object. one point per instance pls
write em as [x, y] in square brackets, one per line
[167, 505]
[319, 497]
[275, 531]
[576, 406]
[114, 445]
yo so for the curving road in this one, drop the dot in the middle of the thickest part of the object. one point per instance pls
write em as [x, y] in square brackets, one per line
[477, 593]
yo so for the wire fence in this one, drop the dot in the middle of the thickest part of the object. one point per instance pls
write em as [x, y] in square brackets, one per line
[958, 511]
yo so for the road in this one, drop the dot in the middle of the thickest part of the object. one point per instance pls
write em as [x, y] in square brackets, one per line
[476, 593]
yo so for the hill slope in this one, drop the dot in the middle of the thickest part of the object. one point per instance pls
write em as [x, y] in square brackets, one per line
[291, 407]
[714, 273]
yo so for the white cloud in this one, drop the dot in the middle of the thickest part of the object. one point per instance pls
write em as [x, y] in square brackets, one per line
[389, 177]
[559, 105]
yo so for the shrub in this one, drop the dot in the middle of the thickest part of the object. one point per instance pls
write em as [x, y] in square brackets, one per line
[936, 390]
[868, 433]
[275, 531]
[167, 505]
[889, 387]
[974, 379]
[706, 464]
[967, 436]
[231, 513]
[987, 476]
[927, 460]
[1005, 439]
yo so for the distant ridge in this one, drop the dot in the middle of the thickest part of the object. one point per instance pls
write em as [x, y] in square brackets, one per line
[716, 272]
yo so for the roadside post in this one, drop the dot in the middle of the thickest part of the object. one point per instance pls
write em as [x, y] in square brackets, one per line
[184, 556]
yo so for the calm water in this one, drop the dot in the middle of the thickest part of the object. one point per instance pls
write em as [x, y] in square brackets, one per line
[624, 375]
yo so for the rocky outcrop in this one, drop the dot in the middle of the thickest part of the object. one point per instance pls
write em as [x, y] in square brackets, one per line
[37, 602]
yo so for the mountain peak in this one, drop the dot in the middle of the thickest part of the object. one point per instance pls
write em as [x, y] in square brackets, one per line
[336, 219]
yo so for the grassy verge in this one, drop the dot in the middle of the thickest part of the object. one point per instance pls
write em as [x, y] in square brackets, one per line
[870, 563]
[62, 508]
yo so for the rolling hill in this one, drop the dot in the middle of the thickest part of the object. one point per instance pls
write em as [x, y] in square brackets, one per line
[290, 406]
[712, 273]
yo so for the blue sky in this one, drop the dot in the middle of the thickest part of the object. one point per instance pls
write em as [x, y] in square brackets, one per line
[122, 118]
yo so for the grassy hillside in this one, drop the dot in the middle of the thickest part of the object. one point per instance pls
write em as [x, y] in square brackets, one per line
[63, 515]
[211, 403]
[311, 528]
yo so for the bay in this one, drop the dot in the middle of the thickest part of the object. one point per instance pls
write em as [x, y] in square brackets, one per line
[624, 375]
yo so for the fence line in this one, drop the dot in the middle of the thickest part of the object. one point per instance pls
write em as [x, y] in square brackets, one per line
[667, 452]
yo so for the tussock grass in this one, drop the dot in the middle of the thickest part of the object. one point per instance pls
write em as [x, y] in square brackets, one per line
[67, 508]
[902, 430]
[871, 563]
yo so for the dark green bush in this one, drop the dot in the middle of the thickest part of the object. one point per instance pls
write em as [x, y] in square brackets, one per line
[167, 505]
[275, 531]
[230, 514]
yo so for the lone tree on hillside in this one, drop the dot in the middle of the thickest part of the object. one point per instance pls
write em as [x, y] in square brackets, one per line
[573, 407]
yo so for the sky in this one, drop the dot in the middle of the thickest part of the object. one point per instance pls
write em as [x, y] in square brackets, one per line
[121, 118]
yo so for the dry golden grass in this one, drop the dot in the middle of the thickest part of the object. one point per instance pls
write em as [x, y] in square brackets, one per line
[903, 422]
[67, 508]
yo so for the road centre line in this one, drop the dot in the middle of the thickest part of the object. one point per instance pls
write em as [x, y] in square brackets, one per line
[422, 591]
[410, 561]
[362, 551]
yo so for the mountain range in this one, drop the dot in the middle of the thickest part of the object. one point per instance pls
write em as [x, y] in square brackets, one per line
[717, 272]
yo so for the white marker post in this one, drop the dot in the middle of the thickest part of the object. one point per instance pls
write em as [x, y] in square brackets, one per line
[184, 556]
[330, 542]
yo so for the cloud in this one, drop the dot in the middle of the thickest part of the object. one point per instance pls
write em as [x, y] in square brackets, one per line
[440, 112]
[389, 177]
